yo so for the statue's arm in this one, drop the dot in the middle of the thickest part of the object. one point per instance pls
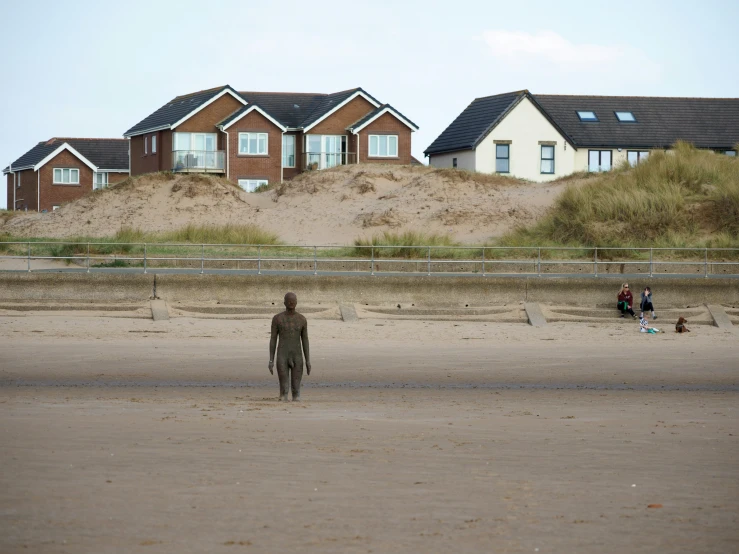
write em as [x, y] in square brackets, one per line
[273, 343]
[306, 345]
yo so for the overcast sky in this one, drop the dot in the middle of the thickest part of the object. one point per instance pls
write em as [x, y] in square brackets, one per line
[94, 69]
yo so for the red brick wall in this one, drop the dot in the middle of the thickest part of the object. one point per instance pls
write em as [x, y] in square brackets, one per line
[336, 123]
[205, 120]
[116, 178]
[25, 195]
[386, 124]
[253, 167]
[58, 194]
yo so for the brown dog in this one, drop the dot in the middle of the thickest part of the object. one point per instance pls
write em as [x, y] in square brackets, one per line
[680, 325]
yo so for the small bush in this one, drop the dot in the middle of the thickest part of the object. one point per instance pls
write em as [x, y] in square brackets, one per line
[408, 244]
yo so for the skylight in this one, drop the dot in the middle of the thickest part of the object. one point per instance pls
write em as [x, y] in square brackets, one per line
[587, 116]
[625, 117]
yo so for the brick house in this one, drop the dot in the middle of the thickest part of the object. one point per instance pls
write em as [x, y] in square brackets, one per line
[255, 138]
[60, 170]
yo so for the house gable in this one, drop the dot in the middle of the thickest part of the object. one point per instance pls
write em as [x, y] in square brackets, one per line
[525, 129]
[327, 111]
[179, 109]
[380, 112]
[206, 118]
[241, 113]
[339, 119]
[60, 149]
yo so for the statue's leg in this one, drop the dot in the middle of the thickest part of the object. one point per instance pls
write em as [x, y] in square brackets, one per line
[283, 374]
[297, 378]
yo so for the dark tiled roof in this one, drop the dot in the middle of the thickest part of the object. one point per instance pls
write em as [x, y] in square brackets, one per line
[374, 112]
[103, 153]
[661, 121]
[474, 123]
[176, 109]
[289, 108]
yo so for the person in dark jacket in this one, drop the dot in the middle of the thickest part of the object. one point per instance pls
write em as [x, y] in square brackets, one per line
[646, 302]
[626, 301]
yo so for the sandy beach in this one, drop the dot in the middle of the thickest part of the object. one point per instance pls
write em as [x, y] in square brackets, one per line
[126, 435]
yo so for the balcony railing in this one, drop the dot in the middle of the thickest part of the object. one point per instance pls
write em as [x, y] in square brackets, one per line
[324, 160]
[199, 161]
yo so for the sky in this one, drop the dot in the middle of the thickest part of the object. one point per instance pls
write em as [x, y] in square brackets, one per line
[94, 69]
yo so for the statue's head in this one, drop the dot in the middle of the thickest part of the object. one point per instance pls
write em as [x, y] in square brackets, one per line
[291, 300]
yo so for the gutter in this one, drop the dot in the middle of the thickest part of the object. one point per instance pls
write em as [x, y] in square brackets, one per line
[10, 170]
[220, 128]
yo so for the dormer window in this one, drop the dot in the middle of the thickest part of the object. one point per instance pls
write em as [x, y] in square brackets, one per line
[625, 117]
[587, 116]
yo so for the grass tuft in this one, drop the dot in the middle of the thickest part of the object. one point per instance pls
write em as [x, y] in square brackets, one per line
[673, 199]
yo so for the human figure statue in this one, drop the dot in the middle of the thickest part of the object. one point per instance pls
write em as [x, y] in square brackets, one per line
[292, 329]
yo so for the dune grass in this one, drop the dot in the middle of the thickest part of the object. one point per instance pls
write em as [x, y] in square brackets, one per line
[681, 198]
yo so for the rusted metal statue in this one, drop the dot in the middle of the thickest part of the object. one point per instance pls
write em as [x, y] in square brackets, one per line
[292, 329]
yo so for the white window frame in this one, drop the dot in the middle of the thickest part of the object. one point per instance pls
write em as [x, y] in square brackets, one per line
[146, 145]
[250, 185]
[247, 138]
[640, 156]
[377, 146]
[61, 178]
[153, 144]
[600, 160]
[55, 207]
[295, 142]
[95, 184]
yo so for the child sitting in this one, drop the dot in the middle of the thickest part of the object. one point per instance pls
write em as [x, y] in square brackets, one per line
[645, 328]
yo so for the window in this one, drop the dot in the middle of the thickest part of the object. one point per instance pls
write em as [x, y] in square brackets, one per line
[625, 117]
[636, 156]
[153, 144]
[55, 207]
[454, 162]
[547, 158]
[100, 181]
[599, 160]
[250, 185]
[730, 153]
[502, 158]
[383, 146]
[587, 116]
[253, 144]
[288, 150]
[146, 143]
[199, 142]
[65, 176]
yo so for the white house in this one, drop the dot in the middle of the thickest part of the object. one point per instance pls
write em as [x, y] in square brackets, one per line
[544, 137]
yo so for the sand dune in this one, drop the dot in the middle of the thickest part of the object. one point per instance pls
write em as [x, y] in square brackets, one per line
[327, 207]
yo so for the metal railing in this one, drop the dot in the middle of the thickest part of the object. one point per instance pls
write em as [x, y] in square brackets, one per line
[325, 160]
[371, 260]
[199, 161]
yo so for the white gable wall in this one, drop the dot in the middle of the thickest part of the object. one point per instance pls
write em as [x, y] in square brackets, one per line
[525, 127]
[465, 159]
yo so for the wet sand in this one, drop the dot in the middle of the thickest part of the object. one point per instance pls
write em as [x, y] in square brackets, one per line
[132, 436]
